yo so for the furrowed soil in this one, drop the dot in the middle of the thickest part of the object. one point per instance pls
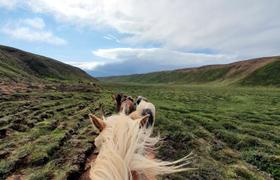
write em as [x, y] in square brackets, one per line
[234, 133]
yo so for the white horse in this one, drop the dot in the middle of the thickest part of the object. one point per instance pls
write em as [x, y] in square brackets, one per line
[125, 147]
[144, 107]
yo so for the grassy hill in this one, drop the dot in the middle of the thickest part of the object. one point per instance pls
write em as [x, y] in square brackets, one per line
[20, 66]
[261, 71]
[267, 75]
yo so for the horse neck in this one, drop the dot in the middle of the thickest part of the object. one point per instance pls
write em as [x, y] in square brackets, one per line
[126, 148]
[116, 153]
[109, 165]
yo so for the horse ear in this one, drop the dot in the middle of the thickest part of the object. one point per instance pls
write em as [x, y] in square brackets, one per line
[130, 98]
[143, 120]
[138, 100]
[134, 115]
[97, 122]
[113, 97]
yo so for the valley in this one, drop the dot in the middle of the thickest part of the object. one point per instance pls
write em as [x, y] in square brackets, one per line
[227, 115]
[233, 132]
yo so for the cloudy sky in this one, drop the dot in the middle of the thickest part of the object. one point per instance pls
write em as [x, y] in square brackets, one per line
[113, 37]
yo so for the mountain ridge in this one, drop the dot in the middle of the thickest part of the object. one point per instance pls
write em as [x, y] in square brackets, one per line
[240, 72]
[18, 65]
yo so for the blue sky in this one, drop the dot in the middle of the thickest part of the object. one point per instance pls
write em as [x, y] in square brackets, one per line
[114, 37]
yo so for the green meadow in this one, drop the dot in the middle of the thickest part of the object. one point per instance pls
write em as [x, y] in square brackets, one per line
[233, 132]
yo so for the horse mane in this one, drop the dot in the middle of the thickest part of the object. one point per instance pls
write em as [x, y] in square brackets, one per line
[125, 148]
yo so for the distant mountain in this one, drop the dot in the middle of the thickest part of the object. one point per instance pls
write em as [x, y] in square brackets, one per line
[20, 66]
[257, 72]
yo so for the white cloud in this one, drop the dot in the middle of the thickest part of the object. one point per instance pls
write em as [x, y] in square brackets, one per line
[240, 26]
[161, 56]
[37, 23]
[120, 53]
[120, 61]
[9, 4]
[86, 65]
[112, 38]
[32, 30]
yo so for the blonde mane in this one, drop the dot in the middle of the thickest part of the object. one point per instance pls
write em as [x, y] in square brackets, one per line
[124, 148]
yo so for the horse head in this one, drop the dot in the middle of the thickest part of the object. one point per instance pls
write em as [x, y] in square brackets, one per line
[124, 103]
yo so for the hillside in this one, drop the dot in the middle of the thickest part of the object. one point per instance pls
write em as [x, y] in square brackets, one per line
[20, 66]
[260, 71]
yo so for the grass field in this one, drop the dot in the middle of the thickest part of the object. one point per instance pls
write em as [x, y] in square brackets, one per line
[46, 134]
[233, 132]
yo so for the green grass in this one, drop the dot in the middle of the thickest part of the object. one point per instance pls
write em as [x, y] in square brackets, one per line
[265, 76]
[17, 65]
[233, 132]
[255, 72]
[174, 77]
[45, 133]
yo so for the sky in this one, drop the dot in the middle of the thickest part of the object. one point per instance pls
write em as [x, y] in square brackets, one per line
[119, 37]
